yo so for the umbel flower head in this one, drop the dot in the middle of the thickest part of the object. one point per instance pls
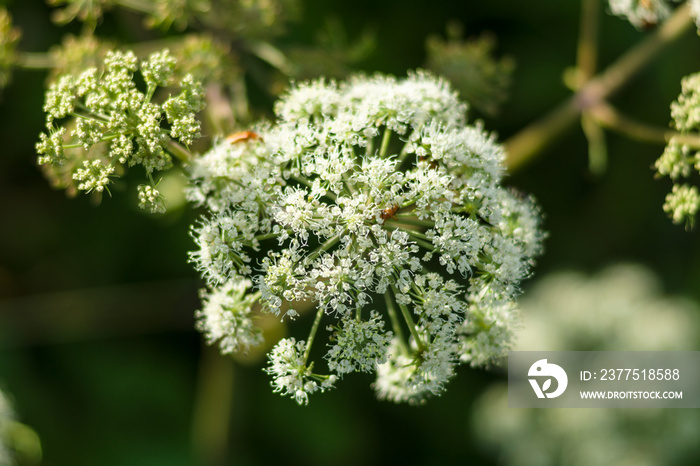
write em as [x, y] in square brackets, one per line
[100, 121]
[375, 201]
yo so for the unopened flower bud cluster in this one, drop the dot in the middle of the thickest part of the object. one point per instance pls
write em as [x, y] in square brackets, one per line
[100, 121]
[680, 159]
[377, 202]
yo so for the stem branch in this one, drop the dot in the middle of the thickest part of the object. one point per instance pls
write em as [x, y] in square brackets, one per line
[312, 335]
[34, 61]
[538, 135]
[179, 151]
[609, 117]
[395, 324]
[409, 322]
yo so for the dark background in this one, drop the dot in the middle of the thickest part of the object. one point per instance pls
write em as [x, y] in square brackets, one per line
[97, 344]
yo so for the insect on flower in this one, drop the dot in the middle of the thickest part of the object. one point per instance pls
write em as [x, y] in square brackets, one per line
[242, 136]
[389, 212]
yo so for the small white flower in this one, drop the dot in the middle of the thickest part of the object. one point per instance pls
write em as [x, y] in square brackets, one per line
[359, 345]
[226, 317]
[290, 376]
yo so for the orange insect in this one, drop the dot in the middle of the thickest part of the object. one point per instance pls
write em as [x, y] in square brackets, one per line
[433, 164]
[389, 212]
[242, 136]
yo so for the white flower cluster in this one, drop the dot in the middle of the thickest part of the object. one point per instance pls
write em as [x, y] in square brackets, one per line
[227, 317]
[680, 159]
[359, 345]
[376, 201]
[290, 374]
[642, 13]
[93, 175]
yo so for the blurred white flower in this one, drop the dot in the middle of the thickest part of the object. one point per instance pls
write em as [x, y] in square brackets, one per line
[621, 308]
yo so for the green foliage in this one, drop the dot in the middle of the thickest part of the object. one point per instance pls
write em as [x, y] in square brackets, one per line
[481, 79]
[9, 36]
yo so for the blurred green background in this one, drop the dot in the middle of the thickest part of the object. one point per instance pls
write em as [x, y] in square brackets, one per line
[97, 345]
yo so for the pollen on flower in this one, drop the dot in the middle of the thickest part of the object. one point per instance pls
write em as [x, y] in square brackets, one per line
[376, 202]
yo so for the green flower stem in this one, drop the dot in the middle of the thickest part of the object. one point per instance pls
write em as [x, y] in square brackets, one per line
[370, 147]
[395, 324]
[92, 114]
[586, 63]
[72, 146]
[403, 155]
[136, 5]
[270, 54]
[609, 117]
[419, 238]
[410, 219]
[420, 242]
[418, 234]
[409, 321]
[407, 204]
[324, 247]
[312, 334]
[81, 116]
[587, 52]
[307, 183]
[386, 138]
[270, 235]
[348, 185]
[179, 151]
[597, 148]
[533, 139]
[150, 91]
[256, 296]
